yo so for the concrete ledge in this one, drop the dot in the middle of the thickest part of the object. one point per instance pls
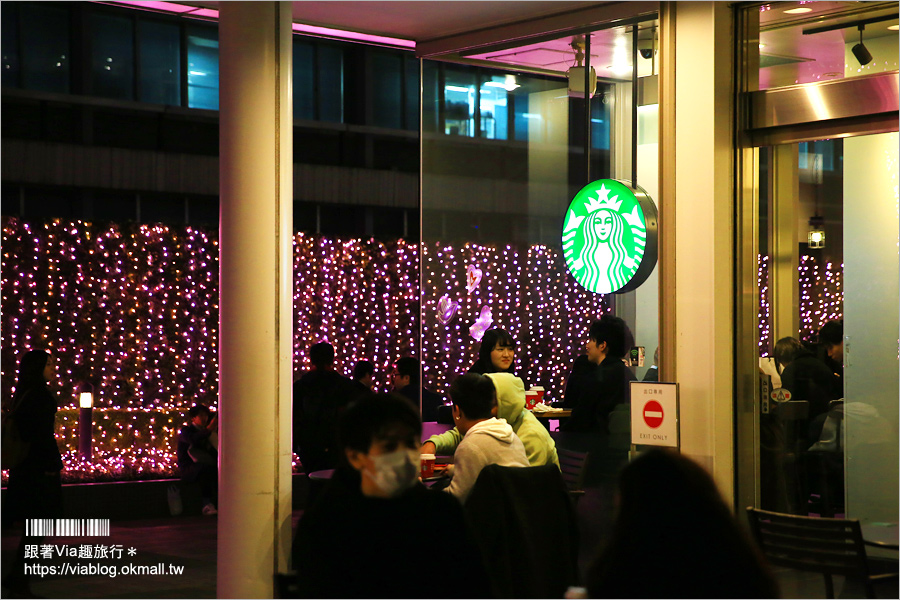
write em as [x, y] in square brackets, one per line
[131, 500]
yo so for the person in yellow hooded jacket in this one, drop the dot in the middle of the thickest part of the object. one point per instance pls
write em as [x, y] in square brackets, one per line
[539, 446]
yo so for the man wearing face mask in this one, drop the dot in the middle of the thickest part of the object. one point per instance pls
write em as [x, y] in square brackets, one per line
[362, 536]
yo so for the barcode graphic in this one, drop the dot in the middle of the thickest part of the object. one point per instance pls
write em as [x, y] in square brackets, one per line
[67, 527]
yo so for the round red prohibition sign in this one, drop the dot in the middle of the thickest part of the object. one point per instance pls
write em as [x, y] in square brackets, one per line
[653, 414]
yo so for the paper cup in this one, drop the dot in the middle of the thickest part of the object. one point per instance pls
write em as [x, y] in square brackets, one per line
[531, 399]
[540, 392]
[427, 465]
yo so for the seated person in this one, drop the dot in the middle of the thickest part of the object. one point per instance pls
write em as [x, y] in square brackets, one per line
[405, 379]
[580, 377]
[362, 537]
[496, 353]
[197, 457]
[652, 373]
[539, 446]
[610, 383]
[486, 439]
[807, 378]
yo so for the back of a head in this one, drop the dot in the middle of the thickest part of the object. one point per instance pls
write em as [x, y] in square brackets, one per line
[474, 394]
[832, 333]
[612, 330]
[362, 369]
[786, 350]
[321, 355]
[408, 367]
[377, 417]
[31, 370]
[672, 521]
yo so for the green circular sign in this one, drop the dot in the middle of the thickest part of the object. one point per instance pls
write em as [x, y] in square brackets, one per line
[609, 236]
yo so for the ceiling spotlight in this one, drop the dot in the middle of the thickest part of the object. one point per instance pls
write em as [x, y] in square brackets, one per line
[816, 236]
[798, 11]
[862, 53]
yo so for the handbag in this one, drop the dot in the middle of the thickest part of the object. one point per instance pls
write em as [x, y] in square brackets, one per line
[14, 447]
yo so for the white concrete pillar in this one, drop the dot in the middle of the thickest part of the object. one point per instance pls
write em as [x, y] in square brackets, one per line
[698, 230]
[255, 287]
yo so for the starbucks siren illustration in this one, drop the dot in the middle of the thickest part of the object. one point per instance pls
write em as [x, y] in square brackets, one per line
[609, 236]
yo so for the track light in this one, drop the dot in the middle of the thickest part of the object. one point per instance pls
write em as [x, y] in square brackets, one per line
[862, 53]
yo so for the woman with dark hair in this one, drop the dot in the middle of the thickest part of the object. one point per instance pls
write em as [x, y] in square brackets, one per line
[674, 537]
[496, 354]
[35, 489]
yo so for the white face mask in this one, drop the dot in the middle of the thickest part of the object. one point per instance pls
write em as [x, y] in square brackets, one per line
[395, 471]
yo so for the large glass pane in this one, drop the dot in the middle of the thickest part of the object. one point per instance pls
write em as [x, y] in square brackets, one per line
[504, 153]
[203, 67]
[387, 90]
[411, 110]
[330, 79]
[112, 56]
[304, 68]
[160, 62]
[10, 43]
[45, 32]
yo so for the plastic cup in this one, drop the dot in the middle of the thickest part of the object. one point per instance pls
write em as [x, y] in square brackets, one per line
[427, 465]
[531, 399]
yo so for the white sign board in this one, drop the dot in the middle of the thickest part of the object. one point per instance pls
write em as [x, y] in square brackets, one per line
[654, 414]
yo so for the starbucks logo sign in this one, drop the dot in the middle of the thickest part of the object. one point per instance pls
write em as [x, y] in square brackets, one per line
[609, 236]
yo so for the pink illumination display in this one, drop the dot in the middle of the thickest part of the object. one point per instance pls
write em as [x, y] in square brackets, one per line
[134, 310]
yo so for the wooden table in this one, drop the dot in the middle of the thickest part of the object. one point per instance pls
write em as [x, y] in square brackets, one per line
[555, 414]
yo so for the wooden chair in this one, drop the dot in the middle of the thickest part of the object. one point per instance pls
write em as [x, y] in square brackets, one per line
[574, 467]
[826, 546]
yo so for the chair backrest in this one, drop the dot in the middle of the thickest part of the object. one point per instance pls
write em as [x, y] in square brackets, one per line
[821, 545]
[524, 524]
[573, 466]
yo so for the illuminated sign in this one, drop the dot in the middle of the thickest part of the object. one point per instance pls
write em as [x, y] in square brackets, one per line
[609, 236]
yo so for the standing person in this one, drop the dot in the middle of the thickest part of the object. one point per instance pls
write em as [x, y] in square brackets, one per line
[320, 396]
[486, 439]
[35, 487]
[496, 354]
[362, 537]
[198, 459]
[686, 537]
[605, 348]
[405, 379]
[362, 375]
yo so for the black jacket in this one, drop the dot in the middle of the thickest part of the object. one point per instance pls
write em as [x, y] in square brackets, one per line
[598, 396]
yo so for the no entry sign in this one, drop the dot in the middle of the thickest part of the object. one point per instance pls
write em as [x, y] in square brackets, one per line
[654, 414]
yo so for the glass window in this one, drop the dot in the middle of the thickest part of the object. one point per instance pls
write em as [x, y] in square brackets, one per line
[493, 104]
[330, 61]
[45, 32]
[387, 90]
[412, 93]
[304, 81]
[203, 67]
[160, 62]
[10, 44]
[430, 97]
[459, 103]
[600, 119]
[112, 56]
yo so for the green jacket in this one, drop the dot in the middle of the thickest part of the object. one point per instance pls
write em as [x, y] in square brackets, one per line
[539, 446]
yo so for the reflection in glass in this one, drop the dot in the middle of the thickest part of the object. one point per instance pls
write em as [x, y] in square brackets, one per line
[160, 62]
[203, 67]
[112, 56]
[45, 32]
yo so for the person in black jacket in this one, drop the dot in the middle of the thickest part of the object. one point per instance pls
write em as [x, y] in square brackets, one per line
[320, 396]
[362, 537]
[35, 487]
[807, 378]
[405, 380]
[198, 459]
[609, 386]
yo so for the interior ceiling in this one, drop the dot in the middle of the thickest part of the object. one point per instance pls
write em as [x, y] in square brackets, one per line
[786, 53]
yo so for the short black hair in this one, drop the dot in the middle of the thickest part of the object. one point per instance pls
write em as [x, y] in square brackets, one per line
[491, 338]
[474, 394]
[613, 331]
[321, 354]
[362, 369]
[832, 333]
[786, 350]
[378, 417]
[408, 367]
[197, 409]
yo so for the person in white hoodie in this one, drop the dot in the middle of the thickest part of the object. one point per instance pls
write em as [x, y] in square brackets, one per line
[486, 440]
